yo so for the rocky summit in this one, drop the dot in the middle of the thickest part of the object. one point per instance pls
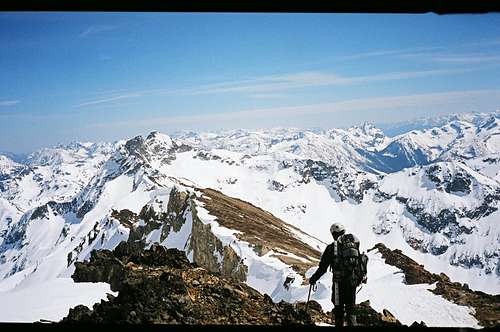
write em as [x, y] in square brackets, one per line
[160, 286]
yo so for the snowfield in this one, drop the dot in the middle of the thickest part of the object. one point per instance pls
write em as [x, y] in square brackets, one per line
[49, 300]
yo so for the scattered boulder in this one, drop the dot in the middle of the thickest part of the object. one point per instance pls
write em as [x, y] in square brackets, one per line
[388, 317]
[417, 325]
[367, 316]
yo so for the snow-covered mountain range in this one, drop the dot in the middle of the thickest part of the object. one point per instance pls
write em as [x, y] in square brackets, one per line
[256, 206]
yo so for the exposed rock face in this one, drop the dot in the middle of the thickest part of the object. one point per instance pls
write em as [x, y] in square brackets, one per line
[487, 307]
[277, 186]
[177, 204]
[171, 220]
[447, 214]
[347, 184]
[125, 217]
[262, 230]
[457, 182]
[447, 226]
[209, 252]
[434, 223]
[156, 147]
[257, 227]
[160, 286]
[206, 249]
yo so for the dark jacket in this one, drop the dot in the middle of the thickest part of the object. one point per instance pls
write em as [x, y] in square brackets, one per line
[327, 259]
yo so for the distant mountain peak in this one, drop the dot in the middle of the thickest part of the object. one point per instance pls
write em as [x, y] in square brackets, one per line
[421, 123]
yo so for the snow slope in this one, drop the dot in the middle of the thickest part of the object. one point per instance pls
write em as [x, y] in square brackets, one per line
[49, 300]
[315, 205]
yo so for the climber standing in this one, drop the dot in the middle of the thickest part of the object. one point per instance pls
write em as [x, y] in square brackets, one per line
[348, 266]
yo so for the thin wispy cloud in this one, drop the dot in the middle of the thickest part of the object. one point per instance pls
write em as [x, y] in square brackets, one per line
[489, 42]
[274, 86]
[431, 53]
[6, 103]
[372, 54]
[479, 52]
[466, 58]
[96, 29]
[269, 96]
[362, 104]
[108, 100]
[274, 83]
[390, 52]
[402, 52]
[456, 58]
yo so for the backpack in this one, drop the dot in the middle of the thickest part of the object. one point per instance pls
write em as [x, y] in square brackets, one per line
[349, 263]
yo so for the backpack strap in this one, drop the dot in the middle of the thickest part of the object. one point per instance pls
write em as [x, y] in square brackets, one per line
[335, 285]
[336, 267]
[335, 252]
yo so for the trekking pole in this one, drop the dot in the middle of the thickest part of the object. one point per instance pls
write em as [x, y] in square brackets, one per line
[364, 282]
[308, 296]
[313, 287]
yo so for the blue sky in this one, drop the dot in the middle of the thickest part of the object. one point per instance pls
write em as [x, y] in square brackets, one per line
[107, 76]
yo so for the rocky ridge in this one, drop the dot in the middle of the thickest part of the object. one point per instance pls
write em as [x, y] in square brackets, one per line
[486, 306]
[161, 286]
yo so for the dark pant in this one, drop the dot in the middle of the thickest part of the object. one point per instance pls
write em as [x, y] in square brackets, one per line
[345, 301]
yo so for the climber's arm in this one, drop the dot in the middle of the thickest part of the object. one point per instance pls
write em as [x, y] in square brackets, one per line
[325, 262]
